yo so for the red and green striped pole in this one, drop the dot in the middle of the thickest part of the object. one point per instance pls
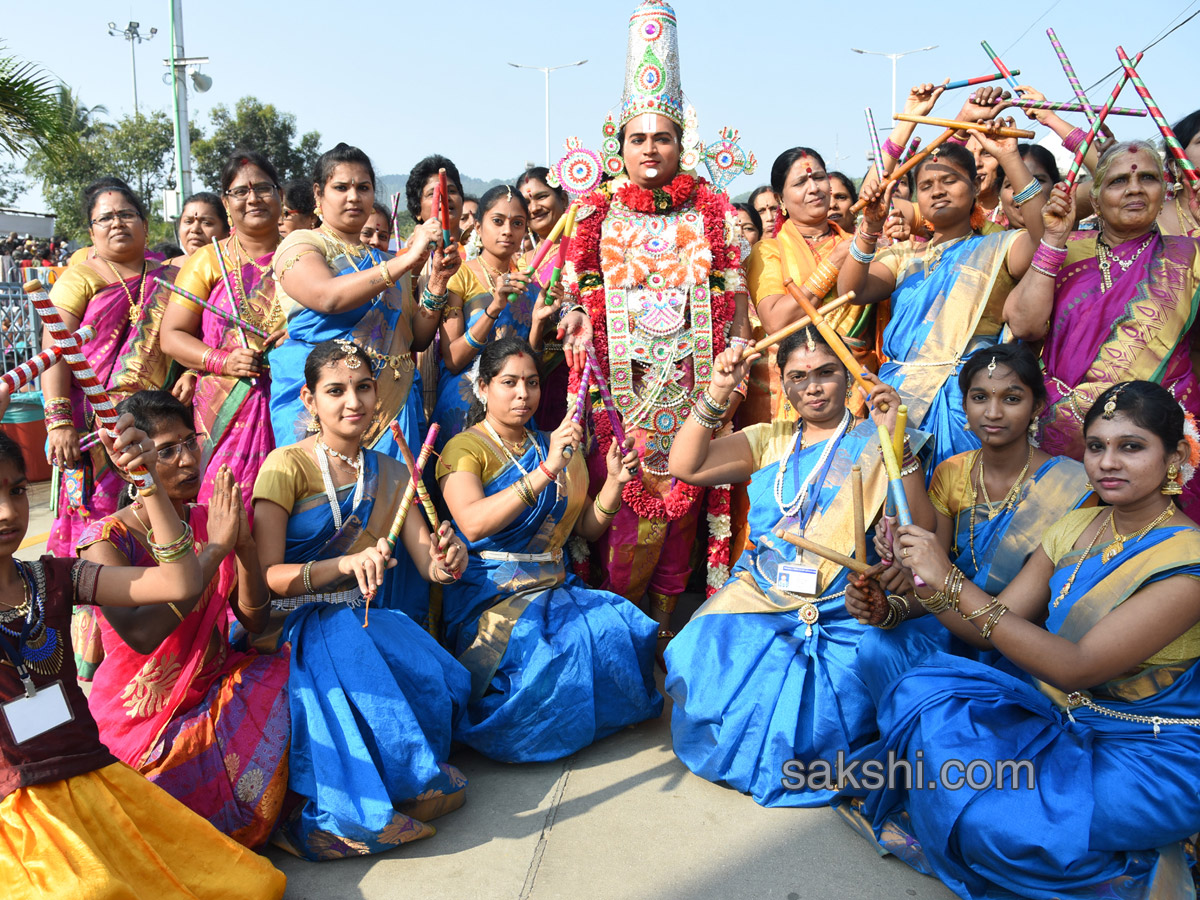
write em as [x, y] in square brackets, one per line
[1186, 165]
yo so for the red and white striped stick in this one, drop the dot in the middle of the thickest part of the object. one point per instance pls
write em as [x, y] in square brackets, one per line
[1186, 165]
[1081, 152]
[102, 404]
[32, 368]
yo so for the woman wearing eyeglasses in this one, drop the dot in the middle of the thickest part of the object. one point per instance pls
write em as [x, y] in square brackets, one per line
[231, 391]
[207, 724]
[115, 292]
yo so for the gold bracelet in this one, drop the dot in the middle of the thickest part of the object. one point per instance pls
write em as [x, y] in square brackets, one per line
[604, 511]
[982, 611]
[175, 609]
[986, 631]
[387, 279]
[525, 491]
[307, 575]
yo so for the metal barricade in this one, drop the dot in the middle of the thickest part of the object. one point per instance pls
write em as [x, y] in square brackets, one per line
[20, 328]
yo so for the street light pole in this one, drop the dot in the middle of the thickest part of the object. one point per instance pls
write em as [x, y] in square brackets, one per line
[894, 57]
[546, 70]
[131, 34]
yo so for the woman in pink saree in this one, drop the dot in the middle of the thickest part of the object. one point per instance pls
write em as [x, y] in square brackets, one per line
[232, 391]
[1114, 305]
[204, 722]
[115, 292]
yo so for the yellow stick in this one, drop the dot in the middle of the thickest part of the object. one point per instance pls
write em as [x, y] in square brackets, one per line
[990, 127]
[860, 517]
[901, 426]
[841, 559]
[803, 322]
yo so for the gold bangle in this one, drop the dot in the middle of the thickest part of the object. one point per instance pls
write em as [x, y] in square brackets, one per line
[982, 611]
[604, 511]
[986, 631]
[175, 609]
[259, 607]
[387, 279]
[307, 575]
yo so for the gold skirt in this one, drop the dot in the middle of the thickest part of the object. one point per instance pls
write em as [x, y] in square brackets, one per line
[112, 835]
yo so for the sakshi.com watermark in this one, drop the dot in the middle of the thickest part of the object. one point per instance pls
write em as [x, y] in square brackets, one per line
[898, 773]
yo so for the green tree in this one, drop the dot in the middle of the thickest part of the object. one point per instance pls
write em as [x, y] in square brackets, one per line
[29, 115]
[255, 126]
[11, 184]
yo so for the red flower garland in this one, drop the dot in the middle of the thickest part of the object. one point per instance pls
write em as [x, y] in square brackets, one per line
[585, 257]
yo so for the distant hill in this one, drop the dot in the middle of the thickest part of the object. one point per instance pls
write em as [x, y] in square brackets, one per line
[474, 187]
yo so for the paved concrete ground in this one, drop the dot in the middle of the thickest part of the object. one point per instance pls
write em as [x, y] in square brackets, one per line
[621, 820]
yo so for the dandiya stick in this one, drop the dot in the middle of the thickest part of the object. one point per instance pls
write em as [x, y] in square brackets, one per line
[102, 405]
[899, 499]
[824, 552]
[832, 338]
[1086, 144]
[580, 399]
[1172, 142]
[803, 322]
[860, 516]
[24, 374]
[241, 332]
[422, 492]
[979, 79]
[561, 259]
[410, 491]
[1069, 71]
[543, 249]
[89, 440]
[989, 127]
[396, 219]
[215, 310]
[55, 486]
[911, 163]
[999, 64]
[1022, 103]
[901, 427]
[444, 187]
[912, 148]
[614, 418]
[875, 150]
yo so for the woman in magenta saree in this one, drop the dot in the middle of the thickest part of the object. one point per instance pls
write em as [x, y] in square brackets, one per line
[232, 392]
[206, 723]
[1119, 307]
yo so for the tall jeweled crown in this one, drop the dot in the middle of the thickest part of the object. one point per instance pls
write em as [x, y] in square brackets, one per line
[652, 64]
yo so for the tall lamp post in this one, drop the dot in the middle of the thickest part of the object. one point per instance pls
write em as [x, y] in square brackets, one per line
[546, 70]
[131, 34]
[893, 57]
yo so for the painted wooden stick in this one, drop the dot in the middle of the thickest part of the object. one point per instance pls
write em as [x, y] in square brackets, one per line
[832, 338]
[563, 246]
[979, 79]
[1172, 142]
[1086, 144]
[999, 64]
[1072, 78]
[990, 127]
[860, 516]
[901, 427]
[422, 492]
[27, 371]
[614, 417]
[396, 219]
[803, 322]
[443, 186]
[912, 148]
[899, 499]
[410, 491]
[102, 405]
[824, 552]
[875, 149]
[233, 298]
[1022, 103]
[911, 163]
[580, 399]
[215, 310]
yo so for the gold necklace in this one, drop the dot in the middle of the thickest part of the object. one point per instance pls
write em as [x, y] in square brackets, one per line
[265, 272]
[1118, 541]
[347, 251]
[135, 306]
[1066, 588]
[516, 447]
[490, 275]
[1106, 254]
[1011, 499]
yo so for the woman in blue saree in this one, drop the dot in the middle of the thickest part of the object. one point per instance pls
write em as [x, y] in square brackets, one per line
[332, 287]
[948, 293]
[989, 540]
[555, 666]
[374, 699]
[1100, 700]
[764, 672]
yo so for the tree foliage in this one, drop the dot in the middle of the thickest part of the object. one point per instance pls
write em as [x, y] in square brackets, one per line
[29, 115]
[255, 126]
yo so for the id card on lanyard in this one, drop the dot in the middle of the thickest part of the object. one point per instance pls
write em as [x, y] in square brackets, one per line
[38, 711]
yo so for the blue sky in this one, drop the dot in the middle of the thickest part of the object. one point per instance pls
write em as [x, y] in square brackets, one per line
[402, 80]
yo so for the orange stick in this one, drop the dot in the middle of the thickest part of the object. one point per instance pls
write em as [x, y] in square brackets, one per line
[832, 338]
[803, 322]
[824, 552]
[989, 127]
[912, 162]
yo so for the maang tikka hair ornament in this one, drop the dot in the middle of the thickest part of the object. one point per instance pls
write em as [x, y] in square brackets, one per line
[350, 349]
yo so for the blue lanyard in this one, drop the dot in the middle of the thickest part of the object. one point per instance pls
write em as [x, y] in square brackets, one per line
[17, 657]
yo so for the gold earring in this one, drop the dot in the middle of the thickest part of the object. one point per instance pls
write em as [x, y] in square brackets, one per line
[1087, 486]
[1172, 488]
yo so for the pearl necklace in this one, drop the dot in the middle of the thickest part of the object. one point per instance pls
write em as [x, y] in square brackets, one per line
[355, 464]
[330, 489]
[791, 508]
[1106, 254]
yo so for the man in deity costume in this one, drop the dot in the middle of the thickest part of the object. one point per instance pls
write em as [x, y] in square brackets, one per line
[654, 287]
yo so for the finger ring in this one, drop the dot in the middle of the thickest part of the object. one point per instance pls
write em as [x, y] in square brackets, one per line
[904, 553]
[632, 470]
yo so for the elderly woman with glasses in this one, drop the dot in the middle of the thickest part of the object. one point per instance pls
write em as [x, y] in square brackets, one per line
[116, 293]
[231, 392]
